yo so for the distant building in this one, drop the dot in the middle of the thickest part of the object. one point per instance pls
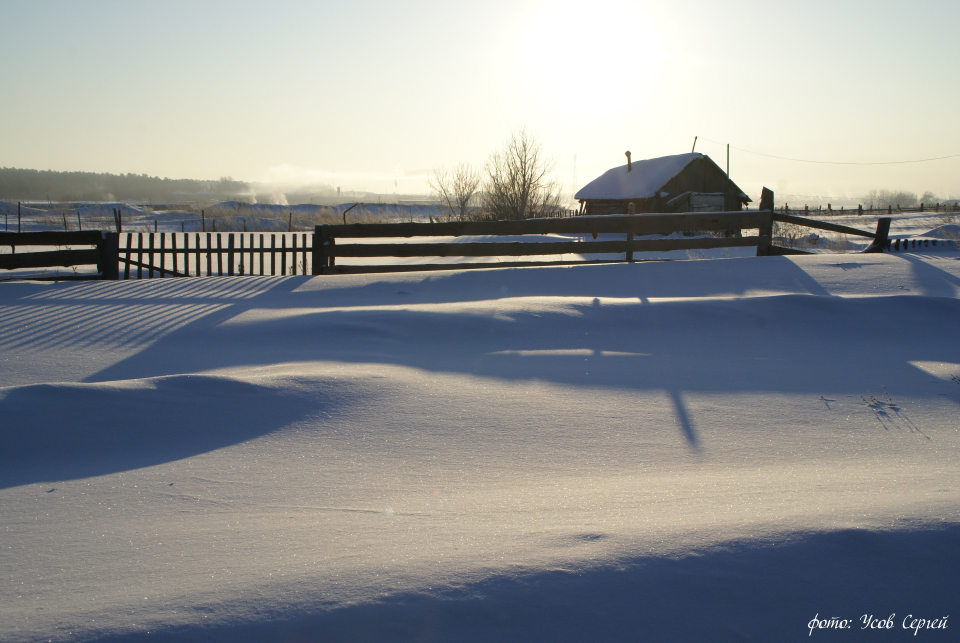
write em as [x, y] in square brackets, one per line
[680, 183]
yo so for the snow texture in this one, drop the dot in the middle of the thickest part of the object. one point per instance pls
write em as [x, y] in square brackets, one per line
[641, 182]
[677, 451]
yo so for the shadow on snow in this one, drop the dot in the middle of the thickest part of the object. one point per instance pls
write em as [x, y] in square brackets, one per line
[744, 591]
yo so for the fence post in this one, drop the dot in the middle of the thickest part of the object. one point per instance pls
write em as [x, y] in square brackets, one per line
[150, 276]
[109, 264]
[765, 231]
[126, 267]
[293, 261]
[319, 257]
[163, 255]
[880, 238]
[766, 237]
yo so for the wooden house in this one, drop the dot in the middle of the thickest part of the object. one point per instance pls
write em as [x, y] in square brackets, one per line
[680, 183]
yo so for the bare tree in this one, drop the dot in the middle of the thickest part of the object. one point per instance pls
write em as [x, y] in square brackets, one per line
[455, 189]
[518, 185]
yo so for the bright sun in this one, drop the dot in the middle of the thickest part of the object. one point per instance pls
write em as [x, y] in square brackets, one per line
[606, 45]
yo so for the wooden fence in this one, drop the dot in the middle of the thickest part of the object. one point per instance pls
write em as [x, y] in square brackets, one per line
[101, 251]
[889, 210]
[147, 255]
[164, 254]
[327, 249]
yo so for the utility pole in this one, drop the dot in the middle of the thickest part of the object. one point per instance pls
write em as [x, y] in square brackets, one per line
[694, 145]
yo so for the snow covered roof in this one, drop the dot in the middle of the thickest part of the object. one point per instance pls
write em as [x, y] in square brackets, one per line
[642, 182]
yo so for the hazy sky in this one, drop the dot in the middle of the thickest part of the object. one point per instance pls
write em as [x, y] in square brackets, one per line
[365, 94]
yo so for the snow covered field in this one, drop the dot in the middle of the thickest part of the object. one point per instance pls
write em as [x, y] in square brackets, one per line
[692, 450]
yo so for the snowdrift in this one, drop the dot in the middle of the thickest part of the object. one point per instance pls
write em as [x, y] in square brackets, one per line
[689, 450]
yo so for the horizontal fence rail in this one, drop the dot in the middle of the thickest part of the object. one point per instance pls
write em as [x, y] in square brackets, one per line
[822, 225]
[103, 252]
[327, 248]
[606, 224]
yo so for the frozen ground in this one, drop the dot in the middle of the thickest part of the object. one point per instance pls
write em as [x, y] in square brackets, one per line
[692, 450]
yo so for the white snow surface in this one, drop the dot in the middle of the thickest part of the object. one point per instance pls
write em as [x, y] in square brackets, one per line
[641, 182]
[712, 450]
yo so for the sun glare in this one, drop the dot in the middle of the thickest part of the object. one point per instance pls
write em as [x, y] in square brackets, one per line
[608, 47]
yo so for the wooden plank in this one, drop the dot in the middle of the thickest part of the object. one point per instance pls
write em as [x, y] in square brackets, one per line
[293, 259]
[75, 238]
[109, 264]
[640, 224]
[765, 232]
[150, 255]
[261, 255]
[173, 247]
[209, 255]
[822, 225]
[139, 255]
[163, 238]
[126, 268]
[196, 246]
[230, 254]
[186, 255]
[50, 259]
[219, 254]
[319, 258]
[521, 249]
[303, 269]
[273, 256]
[283, 255]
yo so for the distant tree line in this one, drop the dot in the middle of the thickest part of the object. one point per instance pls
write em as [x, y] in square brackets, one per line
[878, 199]
[42, 185]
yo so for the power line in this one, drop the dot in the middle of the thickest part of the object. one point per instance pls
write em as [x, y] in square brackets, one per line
[785, 158]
